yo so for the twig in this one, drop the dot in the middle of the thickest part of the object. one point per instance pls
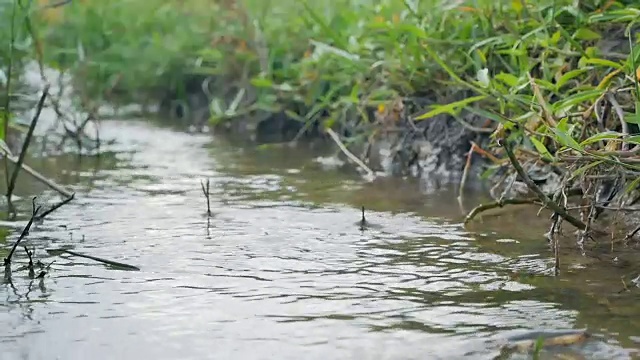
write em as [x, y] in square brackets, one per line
[543, 104]
[465, 172]
[207, 195]
[101, 260]
[548, 203]
[7, 103]
[556, 245]
[481, 151]
[37, 175]
[25, 232]
[632, 233]
[498, 204]
[25, 144]
[55, 207]
[350, 155]
[32, 272]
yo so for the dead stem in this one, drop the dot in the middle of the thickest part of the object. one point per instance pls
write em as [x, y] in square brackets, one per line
[32, 272]
[548, 203]
[25, 232]
[498, 204]
[348, 153]
[465, 172]
[556, 249]
[631, 234]
[95, 258]
[36, 174]
[25, 144]
[55, 207]
[207, 195]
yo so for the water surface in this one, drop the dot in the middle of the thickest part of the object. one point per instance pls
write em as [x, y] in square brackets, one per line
[281, 270]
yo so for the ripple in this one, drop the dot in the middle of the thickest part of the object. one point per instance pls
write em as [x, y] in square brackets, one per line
[263, 277]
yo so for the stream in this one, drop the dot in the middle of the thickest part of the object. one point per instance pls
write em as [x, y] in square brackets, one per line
[281, 270]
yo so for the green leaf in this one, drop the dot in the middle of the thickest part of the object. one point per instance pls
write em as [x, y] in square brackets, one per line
[632, 186]
[570, 75]
[489, 115]
[328, 30]
[542, 150]
[563, 136]
[578, 98]
[583, 169]
[451, 108]
[586, 34]
[509, 79]
[633, 139]
[261, 82]
[601, 62]
[632, 118]
[601, 136]
[547, 85]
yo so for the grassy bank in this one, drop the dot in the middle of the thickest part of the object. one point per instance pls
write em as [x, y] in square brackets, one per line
[552, 86]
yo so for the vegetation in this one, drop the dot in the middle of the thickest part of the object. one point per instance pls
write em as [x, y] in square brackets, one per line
[23, 44]
[554, 81]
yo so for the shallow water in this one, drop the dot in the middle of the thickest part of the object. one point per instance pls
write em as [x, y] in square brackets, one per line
[281, 271]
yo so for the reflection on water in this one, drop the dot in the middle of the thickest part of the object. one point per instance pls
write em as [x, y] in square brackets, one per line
[279, 271]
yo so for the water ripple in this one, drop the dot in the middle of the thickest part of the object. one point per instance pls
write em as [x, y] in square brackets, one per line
[263, 277]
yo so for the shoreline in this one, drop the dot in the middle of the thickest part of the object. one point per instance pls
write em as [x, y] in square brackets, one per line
[536, 101]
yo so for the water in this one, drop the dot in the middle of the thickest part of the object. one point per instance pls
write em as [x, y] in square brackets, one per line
[281, 270]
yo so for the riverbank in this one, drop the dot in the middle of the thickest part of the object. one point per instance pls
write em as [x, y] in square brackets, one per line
[409, 90]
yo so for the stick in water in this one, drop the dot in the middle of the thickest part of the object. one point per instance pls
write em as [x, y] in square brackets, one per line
[350, 155]
[207, 195]
[55, 207]
[25, 144]
[95, 258]
[25, 232]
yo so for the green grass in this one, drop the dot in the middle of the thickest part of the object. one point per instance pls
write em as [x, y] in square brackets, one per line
[532, 69]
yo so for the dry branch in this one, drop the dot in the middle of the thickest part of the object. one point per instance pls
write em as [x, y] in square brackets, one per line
[29, 170]
[348, 153]
[95, 258]
[207, 194]
[546, 201]
[25, 232]
[25, 144]
[55, 207]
